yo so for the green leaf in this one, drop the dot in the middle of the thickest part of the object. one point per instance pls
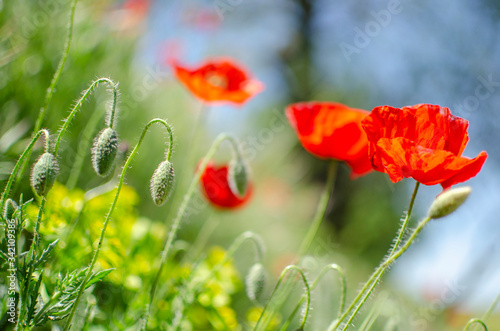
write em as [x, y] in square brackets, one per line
[45, 254]
[97, 277]
[34, 293]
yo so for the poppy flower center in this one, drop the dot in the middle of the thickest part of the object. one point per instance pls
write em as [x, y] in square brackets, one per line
[217, 80]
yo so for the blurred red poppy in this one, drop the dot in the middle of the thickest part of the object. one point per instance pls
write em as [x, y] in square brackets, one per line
[218, 81]
[216, 188]
[424, 142]
[333, 131]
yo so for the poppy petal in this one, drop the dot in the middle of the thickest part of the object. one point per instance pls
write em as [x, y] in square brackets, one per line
[216, 189]
[424, 142]
[218, 81]
[333, 131]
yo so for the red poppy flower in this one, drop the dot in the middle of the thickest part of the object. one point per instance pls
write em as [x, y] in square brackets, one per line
[219, 81]
[216, 188]
[424, 142]
[332, 131]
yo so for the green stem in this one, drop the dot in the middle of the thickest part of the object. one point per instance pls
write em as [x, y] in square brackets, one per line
[308, 296]
[374, 313]
[259, 254]
[24, 156]
[53, 83]
[375, 277]
[180, 213]
[313, 229]
[343, 289]
[79, 103]
[491, 308]
[475, 320]
[60, 67]
[248, 235]
[201, 239]
[321, 209]
[387, 263]
[83, 148]
[113, 205]
[32, 259]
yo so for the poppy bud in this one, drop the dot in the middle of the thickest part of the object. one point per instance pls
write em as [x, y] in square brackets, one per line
[237, 177]
[256, 281]
[104, 151]
[44, 174]
[162, 182]
[9, 210]
[448, 201]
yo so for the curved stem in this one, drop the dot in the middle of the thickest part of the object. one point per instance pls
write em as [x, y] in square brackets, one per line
[475, 320]
[343, 289]
[384, 266]
[237, 243]
[321, 209]
[83, 150]
[375, 277]
[308, 295]
[53, 83]
[313, 228]
[79, 103]
[108, 216]
[60, 67]
[180, 213]
[24, 156]
[491, 308]
[248, 235]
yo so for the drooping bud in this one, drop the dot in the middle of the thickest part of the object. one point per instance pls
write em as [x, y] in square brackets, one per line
[256, 281]
[104, 151]
[9, 209]
[237, 177]
[162, 182]
[44, 173]
[448, 201]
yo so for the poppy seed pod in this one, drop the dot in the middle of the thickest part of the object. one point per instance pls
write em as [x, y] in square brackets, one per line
[448, 201]
[104, 151]
[237, 177]
[162, 182]
[9, 209]
[44, 173]
[256, 281]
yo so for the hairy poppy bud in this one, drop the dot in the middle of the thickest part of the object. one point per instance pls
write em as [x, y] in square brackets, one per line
[256, 281]
[448, 201]
[44, 174]
[162, 182]
[9, 209]
[237, 177]
[104, 151]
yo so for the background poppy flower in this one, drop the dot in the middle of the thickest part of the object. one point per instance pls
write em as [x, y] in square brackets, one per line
[216, 188]
[218, 81]
[424, 142]
[333, 131]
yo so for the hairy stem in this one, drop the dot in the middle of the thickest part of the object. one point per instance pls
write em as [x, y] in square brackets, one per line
[343, 289]
[321, 209]
[79, 103]
[308, 296]
[370, 285]
[22, 159]
[53, 83]
[113, 205]
[180, 213]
